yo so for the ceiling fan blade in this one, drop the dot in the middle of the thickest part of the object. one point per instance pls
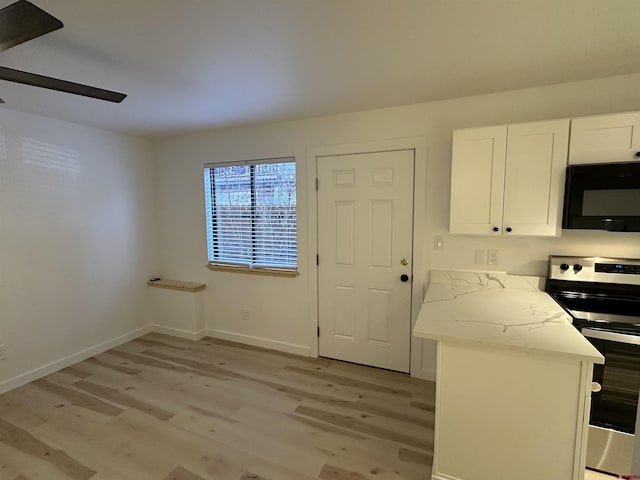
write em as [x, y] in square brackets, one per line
[26, 78]
[22, 21]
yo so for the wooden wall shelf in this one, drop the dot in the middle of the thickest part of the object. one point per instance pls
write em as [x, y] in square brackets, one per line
[177, 285]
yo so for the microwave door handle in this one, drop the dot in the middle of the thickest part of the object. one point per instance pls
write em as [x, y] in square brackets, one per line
[611, 336]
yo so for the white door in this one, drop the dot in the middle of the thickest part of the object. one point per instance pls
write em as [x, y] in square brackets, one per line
[605, 138]
[534, 178]
[477, 178]
[365, 211]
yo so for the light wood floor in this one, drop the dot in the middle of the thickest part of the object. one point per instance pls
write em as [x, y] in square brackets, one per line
[164, 408]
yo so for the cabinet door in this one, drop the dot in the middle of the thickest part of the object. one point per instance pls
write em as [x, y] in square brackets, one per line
[477, 176]
[605, 138]
[534, 178]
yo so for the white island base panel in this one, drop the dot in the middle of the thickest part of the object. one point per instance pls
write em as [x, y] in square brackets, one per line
[513, 390]
[509, 414]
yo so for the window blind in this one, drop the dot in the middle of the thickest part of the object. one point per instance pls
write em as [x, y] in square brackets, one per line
[251, 214]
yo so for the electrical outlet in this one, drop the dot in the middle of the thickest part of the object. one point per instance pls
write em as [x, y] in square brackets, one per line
[492, 257]
[245, 314]
[2, 354]
[481, 256]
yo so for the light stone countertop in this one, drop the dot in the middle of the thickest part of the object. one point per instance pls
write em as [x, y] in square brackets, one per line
[501, 310]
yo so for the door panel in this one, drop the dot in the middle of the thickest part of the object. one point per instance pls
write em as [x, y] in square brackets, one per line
[365, 212]
[343, 313]
[605, 138]
[535, 166]
[381, 233]
[477, 176]
[379, 303]
[345, 223]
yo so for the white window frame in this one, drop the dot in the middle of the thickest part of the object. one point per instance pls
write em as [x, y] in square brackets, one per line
[221, 264]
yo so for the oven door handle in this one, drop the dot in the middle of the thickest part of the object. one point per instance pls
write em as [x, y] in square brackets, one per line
[611, 336]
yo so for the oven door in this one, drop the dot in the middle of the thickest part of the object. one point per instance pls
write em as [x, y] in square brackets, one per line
[614, 401]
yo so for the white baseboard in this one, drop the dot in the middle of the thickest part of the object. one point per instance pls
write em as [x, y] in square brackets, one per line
[302, 350]
[57, 365]
[442, 476]
[178, 332]
[429, 375]
[52, 367]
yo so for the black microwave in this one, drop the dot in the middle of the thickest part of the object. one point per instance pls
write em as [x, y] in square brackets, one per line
[603, 197]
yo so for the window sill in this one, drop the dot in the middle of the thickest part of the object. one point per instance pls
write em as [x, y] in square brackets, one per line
[274, 272]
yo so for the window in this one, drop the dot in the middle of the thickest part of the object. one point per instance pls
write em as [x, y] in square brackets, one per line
[251, 215]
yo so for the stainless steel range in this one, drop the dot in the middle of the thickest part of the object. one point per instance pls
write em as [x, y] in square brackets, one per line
[603, 297]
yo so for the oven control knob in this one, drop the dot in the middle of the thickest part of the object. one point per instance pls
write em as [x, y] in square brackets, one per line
[577, 267]
[564, 267]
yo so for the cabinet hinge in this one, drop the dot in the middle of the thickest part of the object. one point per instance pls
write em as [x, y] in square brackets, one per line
[317, 184]
[318, 332]
[317, 259]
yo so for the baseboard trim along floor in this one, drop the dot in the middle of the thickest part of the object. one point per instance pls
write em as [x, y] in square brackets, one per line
[260, 342]
[56, 365]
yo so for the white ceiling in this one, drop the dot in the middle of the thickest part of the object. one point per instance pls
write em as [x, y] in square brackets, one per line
[196, 64]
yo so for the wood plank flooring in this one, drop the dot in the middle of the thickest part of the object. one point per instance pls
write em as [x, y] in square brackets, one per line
[163, 408]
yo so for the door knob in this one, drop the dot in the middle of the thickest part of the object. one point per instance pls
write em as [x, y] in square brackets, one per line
[595, 387]
[404, 277]
[404, 262]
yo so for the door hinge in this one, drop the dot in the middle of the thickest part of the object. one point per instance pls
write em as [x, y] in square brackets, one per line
[317, 259]
[318, 332]
[317, 184]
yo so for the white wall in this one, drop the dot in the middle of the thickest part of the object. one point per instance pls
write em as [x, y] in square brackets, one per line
[279, 306]
[76, 241]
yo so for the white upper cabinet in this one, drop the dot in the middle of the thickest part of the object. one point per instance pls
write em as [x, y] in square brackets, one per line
[477, 176]
[509, 180]
[605, 138]
[534, 179]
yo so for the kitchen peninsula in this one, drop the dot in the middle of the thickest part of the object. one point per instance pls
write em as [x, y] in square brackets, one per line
[513, 380]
